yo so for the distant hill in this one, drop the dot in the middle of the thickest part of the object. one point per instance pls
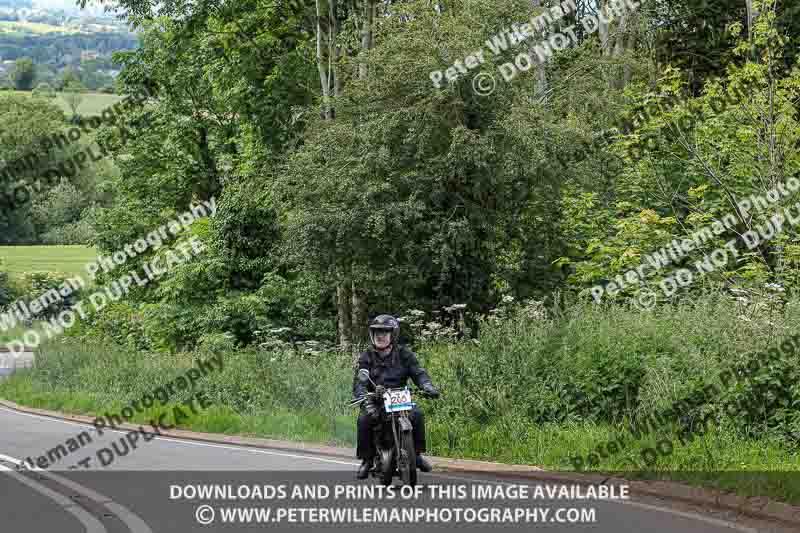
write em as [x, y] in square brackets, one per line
[56, 38]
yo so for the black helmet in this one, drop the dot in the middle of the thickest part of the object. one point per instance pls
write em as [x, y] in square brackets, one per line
[384, 323]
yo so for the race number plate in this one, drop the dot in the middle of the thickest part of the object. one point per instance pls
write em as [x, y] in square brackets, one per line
[397, 400]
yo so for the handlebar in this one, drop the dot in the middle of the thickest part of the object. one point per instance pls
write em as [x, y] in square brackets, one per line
[357, 401]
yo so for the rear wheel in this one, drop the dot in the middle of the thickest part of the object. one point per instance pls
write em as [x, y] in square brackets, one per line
[407, 465]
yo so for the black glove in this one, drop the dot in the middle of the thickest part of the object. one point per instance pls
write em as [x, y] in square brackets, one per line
[380, 390]
[372, 410]
[430, 390]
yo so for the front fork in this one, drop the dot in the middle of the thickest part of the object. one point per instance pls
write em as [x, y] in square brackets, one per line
[405, 427]
[402, 420]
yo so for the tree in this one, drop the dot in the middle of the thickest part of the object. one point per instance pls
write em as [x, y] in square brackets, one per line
[24, 74]
[5, 289]
[68, 76]
[24, 122]
[45, 90]
[73, 94]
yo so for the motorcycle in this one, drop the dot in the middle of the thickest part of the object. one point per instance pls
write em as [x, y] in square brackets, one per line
[394, 435]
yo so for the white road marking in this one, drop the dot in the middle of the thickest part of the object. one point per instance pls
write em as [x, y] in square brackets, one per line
[88, 521]
[683, 514]
[194, 443]
[132, 521]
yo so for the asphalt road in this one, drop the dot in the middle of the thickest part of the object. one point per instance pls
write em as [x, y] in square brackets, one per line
[143, 489]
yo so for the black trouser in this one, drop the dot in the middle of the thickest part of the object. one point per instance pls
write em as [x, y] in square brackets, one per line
[366, 443]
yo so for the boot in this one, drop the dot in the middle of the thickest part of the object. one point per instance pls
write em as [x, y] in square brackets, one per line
[363, 470]
[423, 465]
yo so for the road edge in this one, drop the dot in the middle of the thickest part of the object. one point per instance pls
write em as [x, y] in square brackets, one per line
[755, 507]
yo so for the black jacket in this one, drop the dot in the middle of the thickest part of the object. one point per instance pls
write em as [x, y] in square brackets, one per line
[391, 371]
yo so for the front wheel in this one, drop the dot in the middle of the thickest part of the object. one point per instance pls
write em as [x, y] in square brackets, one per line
[407, 465]
[387, 467]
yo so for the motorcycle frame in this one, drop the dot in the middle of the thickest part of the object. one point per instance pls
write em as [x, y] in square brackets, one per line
[395, 419]
[400, 418]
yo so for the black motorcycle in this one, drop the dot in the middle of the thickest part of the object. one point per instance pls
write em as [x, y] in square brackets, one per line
[394, 435]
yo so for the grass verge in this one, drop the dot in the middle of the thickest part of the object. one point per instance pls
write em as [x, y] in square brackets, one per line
[529, 392]
[305, 427]
[718, 459]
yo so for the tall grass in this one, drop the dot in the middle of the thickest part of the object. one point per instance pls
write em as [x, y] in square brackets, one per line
[530, 391]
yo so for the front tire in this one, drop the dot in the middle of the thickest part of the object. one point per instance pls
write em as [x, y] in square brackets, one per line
[407, 463]
[387, 467]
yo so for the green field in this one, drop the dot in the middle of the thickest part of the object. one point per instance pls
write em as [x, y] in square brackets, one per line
[36, 28]
[68, 259]
[93, 103]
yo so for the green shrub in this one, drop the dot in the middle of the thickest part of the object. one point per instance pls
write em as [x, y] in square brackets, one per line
[770, 398]
[615, 364]
[120, 323]
[48, 286]
[78, 232]
[6, 295]
[44, 90]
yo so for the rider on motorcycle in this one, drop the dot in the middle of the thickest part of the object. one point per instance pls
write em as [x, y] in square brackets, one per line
[389, 366]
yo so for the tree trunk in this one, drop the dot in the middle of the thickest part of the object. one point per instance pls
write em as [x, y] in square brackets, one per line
[541, 70]
[344, 311]
[334, 50]
[367, 39]
[326, 66]
[618, 51]
[619, 36]
[633, 35]
[324, 72]
[358, 297]
[602, 18]
[360, 316]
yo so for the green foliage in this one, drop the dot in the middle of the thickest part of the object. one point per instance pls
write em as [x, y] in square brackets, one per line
[73, 94]
[78, 232]
[118, 324]
[6, 294]
[770, 398]
[536, 388]
[57, 215]
[44, 90]
[24, 74]
[24, 122]
[52, 286]
[611, 364]
[690, 160]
